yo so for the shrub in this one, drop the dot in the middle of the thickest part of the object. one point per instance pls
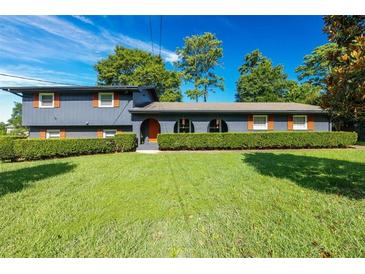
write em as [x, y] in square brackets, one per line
[125, 142]
[7, 147]
[255, 140]
[35, 149]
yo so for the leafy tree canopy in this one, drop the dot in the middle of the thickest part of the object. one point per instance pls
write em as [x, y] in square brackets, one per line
[317, 65]
[136, 67]
[16, 120]
[260, 81]
[305, 93]
[197, 60]
[345, 94]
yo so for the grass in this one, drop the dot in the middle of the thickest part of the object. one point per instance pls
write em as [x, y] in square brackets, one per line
[229, 204]
[360, 143]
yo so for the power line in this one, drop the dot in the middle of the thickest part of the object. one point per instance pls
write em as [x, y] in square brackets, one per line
[151, 36]
[159, 53]
[37, 80]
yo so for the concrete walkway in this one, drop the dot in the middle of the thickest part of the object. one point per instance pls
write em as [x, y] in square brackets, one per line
[149, 148]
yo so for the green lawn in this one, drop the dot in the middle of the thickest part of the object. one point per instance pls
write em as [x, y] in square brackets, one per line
[228, 204]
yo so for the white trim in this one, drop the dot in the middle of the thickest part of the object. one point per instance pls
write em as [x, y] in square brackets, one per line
[53, 131]
[105, 93]
[306, 122]
[253, 122]
[40, 105]
[111, 129]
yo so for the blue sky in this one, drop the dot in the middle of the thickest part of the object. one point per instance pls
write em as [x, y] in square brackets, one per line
[65, 48]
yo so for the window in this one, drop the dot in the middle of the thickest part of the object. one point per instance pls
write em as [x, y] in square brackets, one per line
[53, 134]
[184, 126]
[46, 100]
[106, 99]
[300, 122]
[109, 133]
[260, 122]
[217, 125]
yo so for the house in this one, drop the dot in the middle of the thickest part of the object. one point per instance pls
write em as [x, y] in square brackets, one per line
[9, 129]
[101, 112]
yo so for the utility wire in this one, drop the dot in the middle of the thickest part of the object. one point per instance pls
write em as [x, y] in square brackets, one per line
[151, 36]
[37, 80]
[159, 53]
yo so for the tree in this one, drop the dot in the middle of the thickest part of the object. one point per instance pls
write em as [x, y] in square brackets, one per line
[317, 65]
[16, 120]
[136, 67]
[305, 93]
[197, 60]
[345, 94]
[2, 128]
[260, 81]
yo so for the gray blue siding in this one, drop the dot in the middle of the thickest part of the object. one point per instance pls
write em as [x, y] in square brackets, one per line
[77, 110]
[77, 132]
[235, 122]
[81, 120]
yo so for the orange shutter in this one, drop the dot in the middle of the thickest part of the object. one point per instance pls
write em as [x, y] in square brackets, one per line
[95, 100]
[57, 103]
[116, 100]
[36, 100]
[42, 134]
[99, 133]
[271, 122]
[250, 122]
[310, 121]
[290, 122]
[62, 133]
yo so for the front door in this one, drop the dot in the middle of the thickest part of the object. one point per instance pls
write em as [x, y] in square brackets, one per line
[153, 130]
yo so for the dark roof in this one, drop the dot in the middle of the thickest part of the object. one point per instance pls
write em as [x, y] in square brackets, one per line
[71, 88]
[178, 107]
[32, 89]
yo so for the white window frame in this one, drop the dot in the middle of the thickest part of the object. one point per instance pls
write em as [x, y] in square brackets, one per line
[40, 100]
[105, 93]
[299, 128]
[266, 124]
[53, 130]
[110, 129]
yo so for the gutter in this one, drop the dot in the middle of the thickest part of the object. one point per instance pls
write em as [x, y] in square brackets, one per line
[13, 92]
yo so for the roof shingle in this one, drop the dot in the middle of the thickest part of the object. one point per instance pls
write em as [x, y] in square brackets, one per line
[158, 107]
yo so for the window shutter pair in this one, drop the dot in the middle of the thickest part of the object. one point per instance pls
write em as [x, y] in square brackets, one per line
[310, 122]
[96, 100]
[57, 100]
[43, 134]
[270, 122]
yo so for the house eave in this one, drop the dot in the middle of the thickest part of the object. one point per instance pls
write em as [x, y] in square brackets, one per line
[141, 111]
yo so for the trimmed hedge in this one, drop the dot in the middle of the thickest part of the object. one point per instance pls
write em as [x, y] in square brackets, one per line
[7, 147]
[35, 149]
[255, 140]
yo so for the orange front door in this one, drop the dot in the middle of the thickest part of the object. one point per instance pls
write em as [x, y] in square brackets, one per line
[153, 130]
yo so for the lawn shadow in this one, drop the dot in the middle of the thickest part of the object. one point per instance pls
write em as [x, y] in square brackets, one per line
[325, 175]
[16, 180]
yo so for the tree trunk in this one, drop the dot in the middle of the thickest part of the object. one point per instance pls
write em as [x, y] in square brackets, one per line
[205, 94]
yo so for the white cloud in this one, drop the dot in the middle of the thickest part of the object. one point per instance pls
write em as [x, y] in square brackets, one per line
[36, 38]
[84, 19]
[41, 74]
